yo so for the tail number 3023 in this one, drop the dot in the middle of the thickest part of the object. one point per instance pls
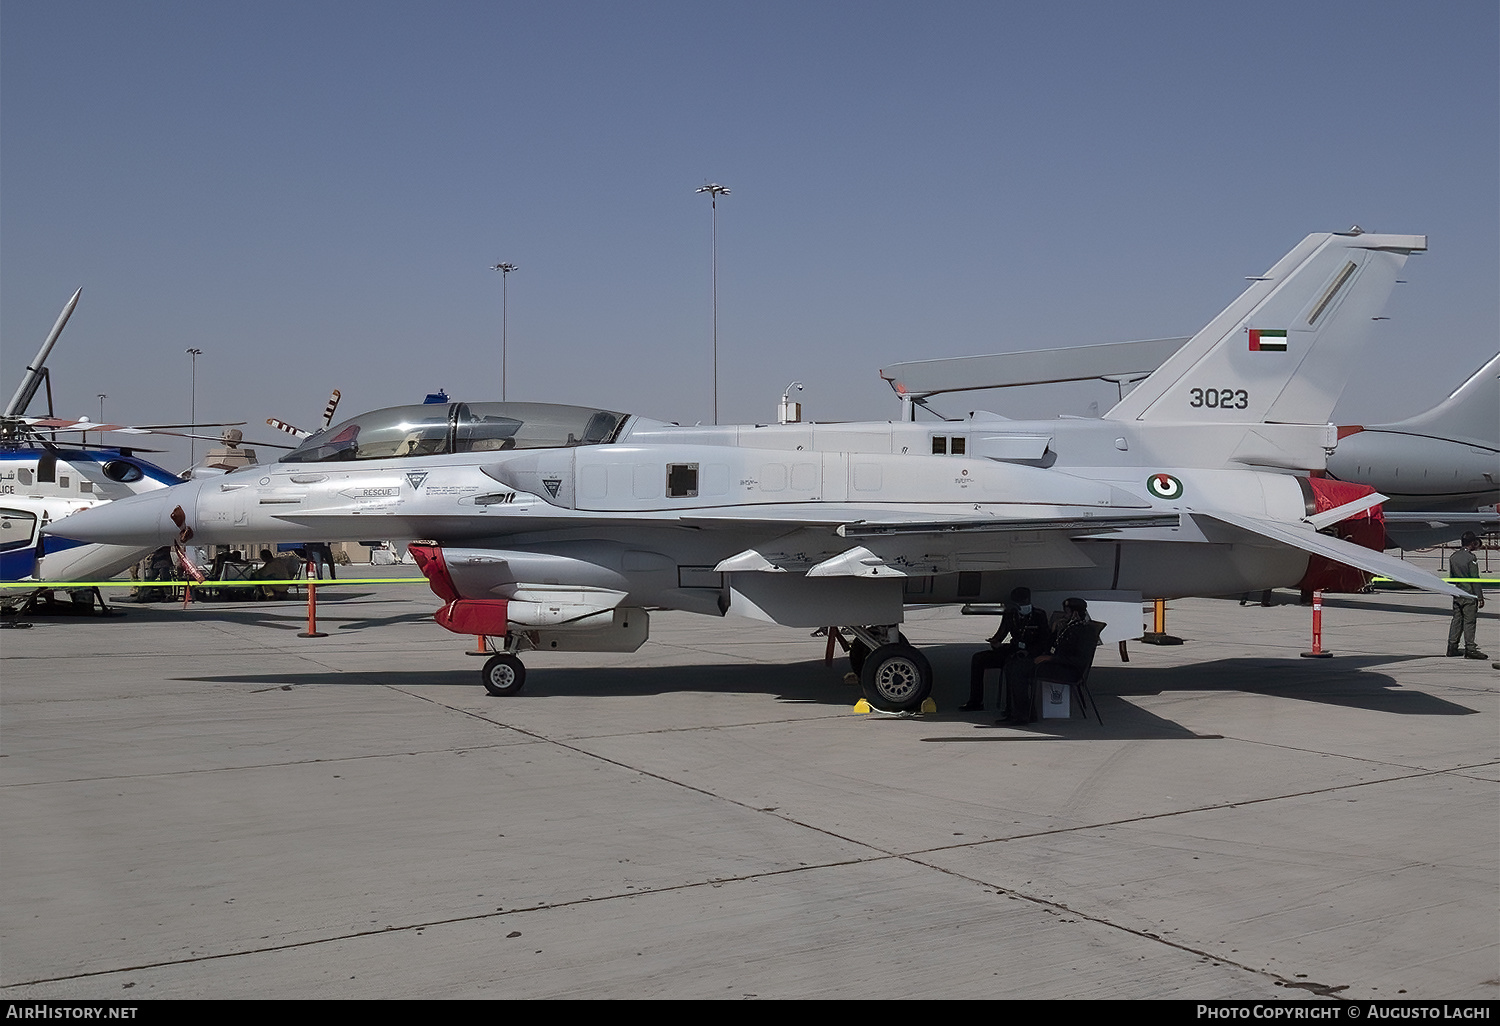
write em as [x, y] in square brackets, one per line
[1220, 398]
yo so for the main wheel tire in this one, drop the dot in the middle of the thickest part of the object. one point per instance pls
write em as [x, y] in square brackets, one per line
[859, 652]
[896, 678]
[503, 675]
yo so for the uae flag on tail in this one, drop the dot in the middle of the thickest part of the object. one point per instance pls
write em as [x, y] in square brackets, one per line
[1265, 341]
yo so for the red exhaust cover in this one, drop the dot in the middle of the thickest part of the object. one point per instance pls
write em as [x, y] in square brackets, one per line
[1366, 529]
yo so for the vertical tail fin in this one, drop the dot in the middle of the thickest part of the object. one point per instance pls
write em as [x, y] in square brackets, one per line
[1282, 351]
[1471, 412]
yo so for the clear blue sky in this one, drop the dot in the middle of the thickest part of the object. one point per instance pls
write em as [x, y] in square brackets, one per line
[312, 193]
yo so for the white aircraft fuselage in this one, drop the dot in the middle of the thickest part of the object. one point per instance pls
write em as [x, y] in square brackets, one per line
[571, 515]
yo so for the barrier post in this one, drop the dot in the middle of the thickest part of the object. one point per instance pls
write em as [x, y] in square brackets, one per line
[1318, 651]
[1158, 635]
[312, 607]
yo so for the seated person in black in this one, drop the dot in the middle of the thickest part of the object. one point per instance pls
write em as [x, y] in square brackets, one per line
[1070, 655]
[1072, 652]
[1026, 627]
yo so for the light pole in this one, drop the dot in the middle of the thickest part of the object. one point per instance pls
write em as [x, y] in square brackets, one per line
[193, 408]
[715, 190]
[504, 270]
[102, 397]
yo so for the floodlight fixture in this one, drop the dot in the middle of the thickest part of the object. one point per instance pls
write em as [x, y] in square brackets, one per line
[715, 190]
[504, 269]
[193, 408]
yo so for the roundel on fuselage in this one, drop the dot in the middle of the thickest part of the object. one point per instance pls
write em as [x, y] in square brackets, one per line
[1164, 486]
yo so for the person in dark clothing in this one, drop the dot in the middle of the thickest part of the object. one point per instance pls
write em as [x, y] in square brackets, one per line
[1072, 651]
[1070, 655]
[1026, 627]
[320, 555]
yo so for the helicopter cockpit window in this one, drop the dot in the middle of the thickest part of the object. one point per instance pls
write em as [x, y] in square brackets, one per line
[17, 529]
[430, 430]
[119, 470]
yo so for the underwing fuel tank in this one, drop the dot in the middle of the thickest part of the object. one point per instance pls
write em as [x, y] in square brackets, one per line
[551, 617]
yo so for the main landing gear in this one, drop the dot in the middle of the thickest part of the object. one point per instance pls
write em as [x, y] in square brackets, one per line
[894, 676]
[504, 674]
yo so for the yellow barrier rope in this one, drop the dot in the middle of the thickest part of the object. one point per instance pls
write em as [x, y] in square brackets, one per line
[304, 581]
[301, 582]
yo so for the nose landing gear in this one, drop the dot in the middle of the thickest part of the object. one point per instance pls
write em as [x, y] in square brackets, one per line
[503, 674]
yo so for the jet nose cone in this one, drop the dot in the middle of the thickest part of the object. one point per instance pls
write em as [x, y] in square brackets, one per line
[135, 520]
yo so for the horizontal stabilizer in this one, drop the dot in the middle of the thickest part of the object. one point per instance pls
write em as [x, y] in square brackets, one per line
[1338, 550]
[1329, 517]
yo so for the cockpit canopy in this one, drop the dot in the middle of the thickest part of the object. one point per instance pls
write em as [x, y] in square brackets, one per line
[430, 430]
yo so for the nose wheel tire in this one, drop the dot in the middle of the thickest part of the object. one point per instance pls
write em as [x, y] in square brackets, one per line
[896, 678]
[503, 675]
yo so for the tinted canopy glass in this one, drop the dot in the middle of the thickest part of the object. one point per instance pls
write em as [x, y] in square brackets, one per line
[400, 431]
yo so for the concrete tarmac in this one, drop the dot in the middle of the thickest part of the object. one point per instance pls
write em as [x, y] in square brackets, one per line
[198, 803]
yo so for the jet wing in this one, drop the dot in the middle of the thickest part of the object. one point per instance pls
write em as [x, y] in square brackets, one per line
[510, 520]
[1338, 550]
[908, 542]
[445, 527]
[862, 523]
[1439, 519]
[1080, 525]
[846, 521]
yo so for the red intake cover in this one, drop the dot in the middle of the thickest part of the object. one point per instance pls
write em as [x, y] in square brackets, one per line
[459, 615]
[474, 616]
[430, 561]
[1367, 529]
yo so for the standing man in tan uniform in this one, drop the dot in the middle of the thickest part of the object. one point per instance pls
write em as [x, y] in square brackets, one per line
[1463, 564]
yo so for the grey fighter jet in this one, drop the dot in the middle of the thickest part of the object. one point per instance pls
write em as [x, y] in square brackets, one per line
[559, 527]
